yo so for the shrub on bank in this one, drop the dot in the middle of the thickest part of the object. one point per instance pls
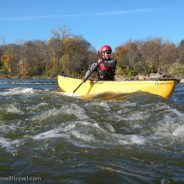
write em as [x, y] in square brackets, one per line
[176, 69]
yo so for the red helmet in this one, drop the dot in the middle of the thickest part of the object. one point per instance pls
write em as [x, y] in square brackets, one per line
[105, 48]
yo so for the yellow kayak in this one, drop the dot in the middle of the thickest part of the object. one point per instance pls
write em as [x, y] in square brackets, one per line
[163, 88]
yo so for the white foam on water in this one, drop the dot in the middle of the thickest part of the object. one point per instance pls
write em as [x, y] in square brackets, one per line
[7, 128]
[87, 138]
[90, 126]
[11, 108]
[122, 140]
[68, 130]
[129, 139]
[110, 127]
[128, 104]
[49, 134]
[62, 131]
[69, 127]
[37, 106]
[71, 109]
[47, 114]
[75, 110]
[68, 94]
[167, 109]
[18, 91]
[87, 134]
[171, 124]
[135, 139]
[9, 144]
[136, 116]
[179, 131]
[103, 105]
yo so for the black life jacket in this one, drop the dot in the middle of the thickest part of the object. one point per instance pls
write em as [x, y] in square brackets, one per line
[106, 69]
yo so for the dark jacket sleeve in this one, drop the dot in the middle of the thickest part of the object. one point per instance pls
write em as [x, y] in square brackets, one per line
[92, 67]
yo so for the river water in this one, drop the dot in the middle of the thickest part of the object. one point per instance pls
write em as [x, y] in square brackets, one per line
[46, 137]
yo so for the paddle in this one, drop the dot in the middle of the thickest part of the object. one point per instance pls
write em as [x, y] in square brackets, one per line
[84, 80]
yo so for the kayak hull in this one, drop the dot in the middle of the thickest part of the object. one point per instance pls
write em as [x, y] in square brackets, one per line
[163, 88]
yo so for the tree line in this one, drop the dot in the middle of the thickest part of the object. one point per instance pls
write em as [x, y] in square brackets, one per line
[71, 55]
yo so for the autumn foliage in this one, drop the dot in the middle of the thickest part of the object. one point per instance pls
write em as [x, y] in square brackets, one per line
[71, 55]
[152, 55]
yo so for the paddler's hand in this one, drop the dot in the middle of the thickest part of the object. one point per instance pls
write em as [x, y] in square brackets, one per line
[99, 60]
[83, 80]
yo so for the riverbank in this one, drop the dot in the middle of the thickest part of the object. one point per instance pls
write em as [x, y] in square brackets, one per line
[25, 77]
[117, 77]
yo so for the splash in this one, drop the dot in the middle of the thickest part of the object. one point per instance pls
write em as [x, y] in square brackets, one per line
[179, 131]
[18, 91]
[10, 145]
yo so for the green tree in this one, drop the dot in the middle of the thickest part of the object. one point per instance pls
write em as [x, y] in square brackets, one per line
[180, 51]
[78, 53]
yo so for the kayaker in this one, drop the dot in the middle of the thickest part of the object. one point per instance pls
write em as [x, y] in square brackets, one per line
[105, 66]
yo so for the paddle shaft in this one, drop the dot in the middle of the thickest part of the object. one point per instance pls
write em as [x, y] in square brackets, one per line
[85, 78]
